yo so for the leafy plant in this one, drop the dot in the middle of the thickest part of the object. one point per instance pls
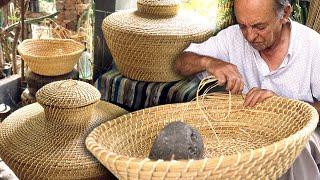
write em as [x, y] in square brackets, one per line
[206, 8]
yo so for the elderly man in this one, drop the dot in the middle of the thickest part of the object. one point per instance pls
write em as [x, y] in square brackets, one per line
[266, 54]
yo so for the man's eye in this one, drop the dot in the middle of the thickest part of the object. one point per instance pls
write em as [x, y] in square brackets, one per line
[260, 27]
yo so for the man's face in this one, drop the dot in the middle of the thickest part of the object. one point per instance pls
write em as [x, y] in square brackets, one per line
[258, 22]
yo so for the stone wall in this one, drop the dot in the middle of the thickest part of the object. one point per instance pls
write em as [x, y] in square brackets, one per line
[70, 11]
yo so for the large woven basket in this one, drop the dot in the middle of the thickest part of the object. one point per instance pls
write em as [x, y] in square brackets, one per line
[145, 43]
[313, 20]
[50, 57]
[251, 143]
[46, 140]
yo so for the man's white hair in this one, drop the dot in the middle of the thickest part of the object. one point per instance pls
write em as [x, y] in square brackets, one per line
[280, 6]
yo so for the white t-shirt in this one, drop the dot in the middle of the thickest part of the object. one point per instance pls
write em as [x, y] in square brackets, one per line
[298, 77]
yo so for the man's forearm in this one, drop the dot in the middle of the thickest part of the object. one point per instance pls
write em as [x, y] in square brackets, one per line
[189, 63]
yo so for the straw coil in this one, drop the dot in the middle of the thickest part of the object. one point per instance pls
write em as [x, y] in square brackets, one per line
[44, 141]
[258, 142]
[50, 57]
[145, 43]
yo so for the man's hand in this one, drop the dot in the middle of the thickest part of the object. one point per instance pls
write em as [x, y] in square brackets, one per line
[257, 95]
[226, 73]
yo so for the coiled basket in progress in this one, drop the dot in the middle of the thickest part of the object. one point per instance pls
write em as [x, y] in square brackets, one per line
[240, 142]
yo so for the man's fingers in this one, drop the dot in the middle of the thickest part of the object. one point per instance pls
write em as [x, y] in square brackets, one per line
[237, 86]
[250, 96]
[221, 80]
[241, 87]
[256, 95]
[255, 98]
[231, 83]
[265, 95]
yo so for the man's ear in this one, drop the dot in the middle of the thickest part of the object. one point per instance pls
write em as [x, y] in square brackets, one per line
[286, 13]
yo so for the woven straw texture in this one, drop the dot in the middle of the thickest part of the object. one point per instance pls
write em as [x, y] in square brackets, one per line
[144, 46]
[158, 8]
[48, 143]
[68, 94]
[50, 57]
[251, 143]
[313, 20]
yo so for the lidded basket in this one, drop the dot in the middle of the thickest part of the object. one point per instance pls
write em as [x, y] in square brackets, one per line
[45, 140]
[146, 42]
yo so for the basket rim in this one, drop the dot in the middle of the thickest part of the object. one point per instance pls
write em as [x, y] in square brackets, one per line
[25, 54]
[107, 23]
[235, 159]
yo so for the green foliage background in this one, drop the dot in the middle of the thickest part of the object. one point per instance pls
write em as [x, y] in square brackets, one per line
[205, 8]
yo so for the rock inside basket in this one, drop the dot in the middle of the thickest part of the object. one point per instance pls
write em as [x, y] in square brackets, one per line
[177, 140]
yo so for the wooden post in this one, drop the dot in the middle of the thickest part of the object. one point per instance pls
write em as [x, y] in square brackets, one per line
[22, 13]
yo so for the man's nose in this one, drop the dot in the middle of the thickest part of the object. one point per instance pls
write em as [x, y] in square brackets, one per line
[251, 35]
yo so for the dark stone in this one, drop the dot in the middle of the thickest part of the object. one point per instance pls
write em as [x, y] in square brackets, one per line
[177, 140]
[35, 81]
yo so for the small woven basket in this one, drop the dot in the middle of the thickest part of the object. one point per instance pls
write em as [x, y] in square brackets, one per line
[145, 43]
[50, 57]
[250, 143]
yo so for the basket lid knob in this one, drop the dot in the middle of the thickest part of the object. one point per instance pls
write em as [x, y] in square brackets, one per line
[164, 8]
[67, 94]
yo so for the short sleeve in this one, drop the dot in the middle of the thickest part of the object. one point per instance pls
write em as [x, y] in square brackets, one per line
[216, 47]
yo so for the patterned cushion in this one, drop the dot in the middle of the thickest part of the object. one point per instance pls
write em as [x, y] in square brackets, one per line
[133, 95]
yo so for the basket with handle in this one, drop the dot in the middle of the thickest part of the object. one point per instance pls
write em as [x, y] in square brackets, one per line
[50, 57]
[244, 143]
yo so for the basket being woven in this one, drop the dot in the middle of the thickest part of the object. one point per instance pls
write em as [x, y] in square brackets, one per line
[251, 143]
[145, 43]
[46, 140]
[50, 57]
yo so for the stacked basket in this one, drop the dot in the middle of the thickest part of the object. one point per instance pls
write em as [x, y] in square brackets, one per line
[145, 43]
[49, 60]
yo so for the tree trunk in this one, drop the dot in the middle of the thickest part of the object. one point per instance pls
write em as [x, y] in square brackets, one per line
[14, 49]
[3, 3]
[1, 57]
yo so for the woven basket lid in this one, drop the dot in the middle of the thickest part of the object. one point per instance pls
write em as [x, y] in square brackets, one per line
[160, 8]
[68, 94]
[145, 46]
[40, 144]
